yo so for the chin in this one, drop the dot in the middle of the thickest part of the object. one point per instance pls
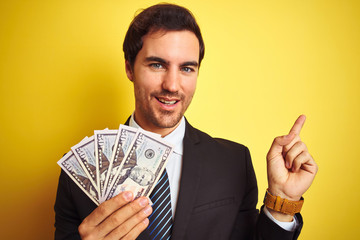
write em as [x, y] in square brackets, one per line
[168, 120]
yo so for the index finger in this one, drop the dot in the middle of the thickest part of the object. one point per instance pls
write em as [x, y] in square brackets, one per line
[299, 123]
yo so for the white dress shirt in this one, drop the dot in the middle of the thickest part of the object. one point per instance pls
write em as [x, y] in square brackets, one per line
[174, 166]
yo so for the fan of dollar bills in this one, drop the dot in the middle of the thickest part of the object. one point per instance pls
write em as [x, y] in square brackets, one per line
[113, 161]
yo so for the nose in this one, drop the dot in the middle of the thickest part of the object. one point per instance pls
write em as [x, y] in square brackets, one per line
[171, 80]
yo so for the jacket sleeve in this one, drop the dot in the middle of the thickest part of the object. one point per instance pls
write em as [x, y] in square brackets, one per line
[250, 224]
[66, 218]
[267, 229]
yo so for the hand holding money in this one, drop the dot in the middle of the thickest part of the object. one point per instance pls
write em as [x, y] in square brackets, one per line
[117, 170]
[117, 218]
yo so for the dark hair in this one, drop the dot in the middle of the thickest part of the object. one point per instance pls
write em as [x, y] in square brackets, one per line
[168, 17]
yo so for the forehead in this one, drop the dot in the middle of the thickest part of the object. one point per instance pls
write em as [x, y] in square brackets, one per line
[171, 45]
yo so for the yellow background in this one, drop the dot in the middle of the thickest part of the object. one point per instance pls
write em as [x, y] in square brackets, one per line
[62, 76]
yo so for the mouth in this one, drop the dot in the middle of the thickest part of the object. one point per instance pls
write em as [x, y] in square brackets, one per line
[168, 102]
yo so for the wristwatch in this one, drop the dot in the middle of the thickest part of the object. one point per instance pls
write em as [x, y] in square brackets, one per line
[282, 205]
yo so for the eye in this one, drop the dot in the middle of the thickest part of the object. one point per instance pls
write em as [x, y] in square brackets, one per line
[187, 69]
[156, 65]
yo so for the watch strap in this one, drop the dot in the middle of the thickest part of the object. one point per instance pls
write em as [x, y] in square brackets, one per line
[282, 205]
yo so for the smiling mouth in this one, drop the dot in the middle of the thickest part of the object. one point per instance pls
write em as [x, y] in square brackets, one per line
[167, 102]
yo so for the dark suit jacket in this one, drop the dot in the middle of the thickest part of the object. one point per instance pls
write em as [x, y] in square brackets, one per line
[217, 197]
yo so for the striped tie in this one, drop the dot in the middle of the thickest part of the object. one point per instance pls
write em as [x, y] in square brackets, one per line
[161, 218]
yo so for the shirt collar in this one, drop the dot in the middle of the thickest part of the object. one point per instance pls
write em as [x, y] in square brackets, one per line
[176, 137]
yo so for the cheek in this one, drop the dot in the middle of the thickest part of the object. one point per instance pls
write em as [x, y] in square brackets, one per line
[190, 87]
[141, 87]
[147, 82]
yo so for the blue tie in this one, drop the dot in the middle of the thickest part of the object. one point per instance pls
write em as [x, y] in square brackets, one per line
[161, 219]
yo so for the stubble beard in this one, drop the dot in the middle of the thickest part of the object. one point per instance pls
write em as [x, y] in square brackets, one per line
[162, 118]
[166, 119]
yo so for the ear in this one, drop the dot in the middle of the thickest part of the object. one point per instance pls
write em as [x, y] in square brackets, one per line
[128, 70]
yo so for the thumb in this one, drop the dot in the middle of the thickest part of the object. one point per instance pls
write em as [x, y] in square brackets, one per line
[278, 145]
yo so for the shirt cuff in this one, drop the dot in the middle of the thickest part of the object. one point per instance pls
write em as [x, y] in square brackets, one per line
[288, 226]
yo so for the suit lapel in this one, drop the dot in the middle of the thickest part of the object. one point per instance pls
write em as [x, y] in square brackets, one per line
[189, 183]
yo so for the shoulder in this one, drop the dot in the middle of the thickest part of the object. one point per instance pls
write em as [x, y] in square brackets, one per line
[214, 144]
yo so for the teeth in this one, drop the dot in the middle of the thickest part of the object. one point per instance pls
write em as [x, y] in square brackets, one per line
[167, 102]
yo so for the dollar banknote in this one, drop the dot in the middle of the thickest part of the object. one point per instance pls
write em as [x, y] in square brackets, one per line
[142, 166]
[123, 141]
[74, 170]
[85, 154]
[112, 161]
[104, 145]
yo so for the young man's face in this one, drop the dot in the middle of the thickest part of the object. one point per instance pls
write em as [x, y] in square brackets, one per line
[164, 76]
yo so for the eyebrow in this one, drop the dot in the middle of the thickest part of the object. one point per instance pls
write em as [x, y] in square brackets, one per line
[191, 63]
[156, 59]
[161, 60]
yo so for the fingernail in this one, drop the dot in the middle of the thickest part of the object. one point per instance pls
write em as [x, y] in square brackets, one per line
[146, 221]
[287, 165]
[150, 202]
[147, 210]
[127, 196]
[143, 202]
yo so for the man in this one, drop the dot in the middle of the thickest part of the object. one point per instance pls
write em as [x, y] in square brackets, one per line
[212, 182]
